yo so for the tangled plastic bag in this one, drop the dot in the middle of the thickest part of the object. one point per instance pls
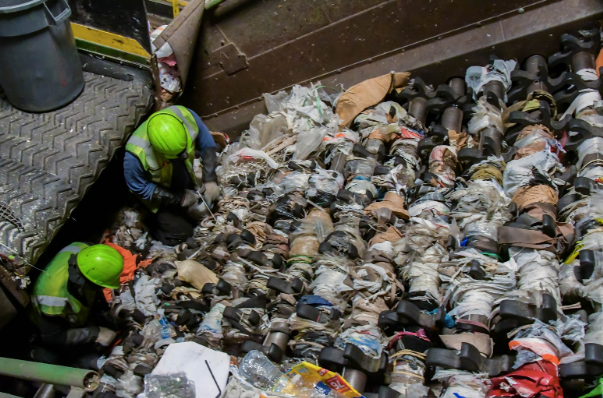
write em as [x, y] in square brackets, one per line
[176, 385]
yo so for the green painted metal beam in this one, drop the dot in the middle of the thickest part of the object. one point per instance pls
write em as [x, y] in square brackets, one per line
[51, 374]
[212, 3]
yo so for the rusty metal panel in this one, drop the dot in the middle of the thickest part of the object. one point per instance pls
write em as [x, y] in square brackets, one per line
[439, 38]
[231, 59]
[290, 41]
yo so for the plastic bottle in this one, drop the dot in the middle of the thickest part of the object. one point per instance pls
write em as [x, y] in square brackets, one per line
[259, 371]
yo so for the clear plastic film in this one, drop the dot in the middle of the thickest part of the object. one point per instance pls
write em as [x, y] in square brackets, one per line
[146, 299]
[248, 154]
[485, 115]
[325, 181]
[538, 273]
[308, 141]
[265, 129]
[373, 279]
[486, 229]
[422, 272]
[380, 115]
[361, 187]
[300, 268]
[406, 148]
[588, 147]
[360, 167]
[539, 341]
[234, 273]
[300, 325]
[408, 374]
[274, 102]
[569, 286]
[211, 327]
[259, 371]
[583, 211]
[481, 205]
[594, 333]
[331, 273]
[368, 338]
[478, 76]
[586, 99]
[593, 171]
[420, 255]
[175, 385]
[469, 296]
[429, 210]
[400, 179]
[293, 181]
[344, 237]
[520, 172]
[462, 383]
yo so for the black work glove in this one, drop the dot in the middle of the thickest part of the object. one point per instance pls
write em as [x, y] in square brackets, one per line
[166, 197]
[209, 158]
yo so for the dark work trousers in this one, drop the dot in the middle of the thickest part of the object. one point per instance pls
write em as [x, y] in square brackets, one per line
[170, 226]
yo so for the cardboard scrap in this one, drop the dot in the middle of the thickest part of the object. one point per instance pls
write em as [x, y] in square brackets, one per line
[481, 341]
[194, 273]
[366, 94]
[393, 202]
[391, 235]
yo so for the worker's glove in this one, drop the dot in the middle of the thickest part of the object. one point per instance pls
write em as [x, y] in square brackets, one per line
[189, 198]
[198, 170]
[209, 157]
[165, 197]
[105, 336]
[212, 192]
[197, 212]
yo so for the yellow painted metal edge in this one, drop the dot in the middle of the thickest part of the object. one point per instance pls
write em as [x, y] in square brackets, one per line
[108, 39]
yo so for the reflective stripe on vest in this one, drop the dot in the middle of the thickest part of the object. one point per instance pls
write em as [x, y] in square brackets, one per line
[191, 131]
[72, 249]
[51, 301]
[148, 151]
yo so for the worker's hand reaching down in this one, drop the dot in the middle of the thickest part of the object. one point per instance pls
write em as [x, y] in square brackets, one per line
[212, 192]
[198, 211]
[189, 198]
[105, 336]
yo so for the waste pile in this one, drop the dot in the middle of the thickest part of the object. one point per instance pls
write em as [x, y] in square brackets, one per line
[392, 240]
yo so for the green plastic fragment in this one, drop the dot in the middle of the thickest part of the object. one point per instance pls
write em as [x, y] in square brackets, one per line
[596, 392]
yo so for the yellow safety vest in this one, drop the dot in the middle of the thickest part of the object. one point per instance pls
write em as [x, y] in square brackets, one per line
[159, 167]
[50, 294]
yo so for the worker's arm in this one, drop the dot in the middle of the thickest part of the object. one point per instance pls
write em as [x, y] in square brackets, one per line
[207, 147]
[56, 331]
[139, 182]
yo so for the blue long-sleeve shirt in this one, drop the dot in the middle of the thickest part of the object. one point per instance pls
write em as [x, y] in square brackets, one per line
[139, 181]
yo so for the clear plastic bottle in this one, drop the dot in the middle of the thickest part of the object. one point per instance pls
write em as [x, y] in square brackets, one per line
[259, 371]
[166, 331]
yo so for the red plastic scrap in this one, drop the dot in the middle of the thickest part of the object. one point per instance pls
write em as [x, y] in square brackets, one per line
[537, 379]
[420, 334]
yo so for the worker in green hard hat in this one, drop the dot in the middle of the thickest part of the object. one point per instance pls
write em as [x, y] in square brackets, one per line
[66, 292]
[159, 169]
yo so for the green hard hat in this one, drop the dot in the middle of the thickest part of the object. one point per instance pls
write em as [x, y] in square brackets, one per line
[167, 134]
[101, 264]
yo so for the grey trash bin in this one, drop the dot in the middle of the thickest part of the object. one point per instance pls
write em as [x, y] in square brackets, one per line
[40, 69]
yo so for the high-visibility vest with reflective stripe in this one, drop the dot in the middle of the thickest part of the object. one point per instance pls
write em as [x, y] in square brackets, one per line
[159, 167]
[50, 295]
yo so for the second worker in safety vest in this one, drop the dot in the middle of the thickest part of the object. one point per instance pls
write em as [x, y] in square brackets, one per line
[158, 167]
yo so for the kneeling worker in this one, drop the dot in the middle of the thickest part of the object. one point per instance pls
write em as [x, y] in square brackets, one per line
[158, 167]
[64, 296]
